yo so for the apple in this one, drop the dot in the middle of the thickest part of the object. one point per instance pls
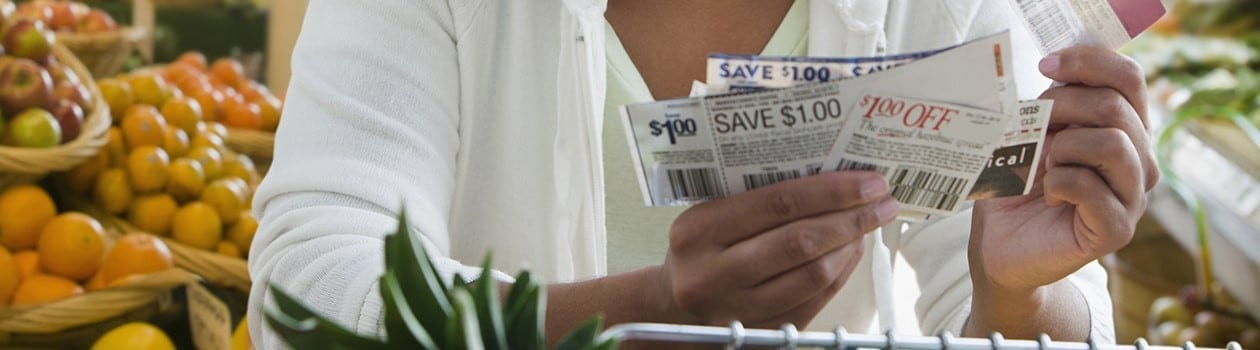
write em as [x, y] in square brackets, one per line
[24, 84]
[69, 117]
[60, 73]
[28, 38]
[72, 92]
[97, 21]
[36, 10]
[34, 128]
[66, 15]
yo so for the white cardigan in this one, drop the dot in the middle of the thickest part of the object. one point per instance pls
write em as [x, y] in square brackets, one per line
[484, 118]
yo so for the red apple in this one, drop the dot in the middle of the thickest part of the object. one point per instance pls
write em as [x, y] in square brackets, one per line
[27, 38]
[36, 10]
[24, 84]
[35, 128]
[73, 92]
[60, 73]
[66, 15]
[69, 117]
[97, 21]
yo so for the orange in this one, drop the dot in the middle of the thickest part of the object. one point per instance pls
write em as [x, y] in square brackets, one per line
[134, 336]
[83, 176]
[24, 211]
[112, 191]
[209, 101]
[147, 169]
[227, 71]
[213, 128]
[153, 213]
[177, 72]
[177, 143]
[242, 233]
[227, 199]
[239, 113]
[241, 167]
[97, 282]
[72, 246]
[143, 125]
[187, 180]
[183, 112]
[198, 225]
[10, 276]
[193, 59]
[117, 94]
[195, 84]
[269, 110]
[136, 254]
[229, 249]
[27, 262]
[149, 88]
[116, 147]
[45, 289]
[211, 161]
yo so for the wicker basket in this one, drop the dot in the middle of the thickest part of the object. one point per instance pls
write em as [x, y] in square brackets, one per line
[26, 165]
[104, 54]
[93, 307]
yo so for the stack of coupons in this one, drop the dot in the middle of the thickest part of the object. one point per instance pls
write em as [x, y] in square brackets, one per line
[939, 136]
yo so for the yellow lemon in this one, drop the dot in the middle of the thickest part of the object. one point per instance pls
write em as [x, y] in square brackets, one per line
[240, 337]
[116, 147]
[176, 143]
[242, 232]
[117, 94]
[211, 161]
[112, 191]
[228, 249]
[187, 180]
[134, 336]
[242, 167]
[227, 198]
[198, 225]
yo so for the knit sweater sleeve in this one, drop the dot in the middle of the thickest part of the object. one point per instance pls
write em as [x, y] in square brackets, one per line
[371, 125]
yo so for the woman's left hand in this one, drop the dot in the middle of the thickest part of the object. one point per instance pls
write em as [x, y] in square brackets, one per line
[1089, 194]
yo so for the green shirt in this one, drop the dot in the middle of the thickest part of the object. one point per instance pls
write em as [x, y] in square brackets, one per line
[638, 235]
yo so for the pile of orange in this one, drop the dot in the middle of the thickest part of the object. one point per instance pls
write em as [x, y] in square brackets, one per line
[46, 256]
[165, 168]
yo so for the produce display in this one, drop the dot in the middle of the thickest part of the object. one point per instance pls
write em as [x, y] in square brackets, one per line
[67, 16]
[1193, 317]
[166, 169]
[43, 103]
[48, 256]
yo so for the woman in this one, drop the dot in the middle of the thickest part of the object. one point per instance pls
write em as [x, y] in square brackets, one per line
[493, 121]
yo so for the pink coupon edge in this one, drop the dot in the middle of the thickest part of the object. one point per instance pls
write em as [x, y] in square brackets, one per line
[1137, 15]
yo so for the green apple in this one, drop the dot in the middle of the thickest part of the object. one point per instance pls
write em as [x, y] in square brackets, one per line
[34, 128]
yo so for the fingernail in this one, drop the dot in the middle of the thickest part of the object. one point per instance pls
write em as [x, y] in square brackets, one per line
[887, 209]
[1049, 65]
[873, 187]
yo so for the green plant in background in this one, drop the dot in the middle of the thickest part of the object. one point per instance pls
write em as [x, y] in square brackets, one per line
[421, 311]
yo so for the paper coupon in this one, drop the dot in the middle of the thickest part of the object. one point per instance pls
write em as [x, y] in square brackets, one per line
[738, 73]
[1059, 24]
[1010, 167]
[696, 149]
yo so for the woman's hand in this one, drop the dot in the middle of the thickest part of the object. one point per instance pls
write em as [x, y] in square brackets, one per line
[1090, 193]
[775, 254]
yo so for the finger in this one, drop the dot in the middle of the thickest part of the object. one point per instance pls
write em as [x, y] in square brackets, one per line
[1105, 108]
[797, 286]
[738, 217]
[1098, 66]
[789, 246]
[1108, 152]
[1103, 223]
[804, 312]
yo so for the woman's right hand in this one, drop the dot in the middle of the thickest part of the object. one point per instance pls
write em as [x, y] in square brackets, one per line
[776, 254]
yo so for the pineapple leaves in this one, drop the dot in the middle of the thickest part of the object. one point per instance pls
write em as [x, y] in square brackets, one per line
[422, 312]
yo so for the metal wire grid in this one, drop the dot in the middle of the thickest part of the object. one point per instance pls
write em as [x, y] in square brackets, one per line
[735, 337]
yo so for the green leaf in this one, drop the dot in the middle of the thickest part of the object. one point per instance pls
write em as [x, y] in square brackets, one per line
[462, 329]
[402, 326]
[489, 312]
[583, 336]
[518, 289]
[604, 343]
[313, 332]
[419, 280]
[525, 321]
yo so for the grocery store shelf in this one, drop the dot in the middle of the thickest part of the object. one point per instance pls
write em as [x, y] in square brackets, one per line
[1222, 167]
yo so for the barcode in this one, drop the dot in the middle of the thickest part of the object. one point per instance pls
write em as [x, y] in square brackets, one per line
[846, 164]
[813, 169]
[927, 189]
[1049, 22]
[752, 181]
[694, 184]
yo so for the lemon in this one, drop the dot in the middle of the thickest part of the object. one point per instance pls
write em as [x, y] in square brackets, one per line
[228, 249]
[112, 191]
[134, 336]
[211, 161]
[227, 198]
[242, 233]
[187, 180]
[240, 337]
[241, 167]
[177, 143]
